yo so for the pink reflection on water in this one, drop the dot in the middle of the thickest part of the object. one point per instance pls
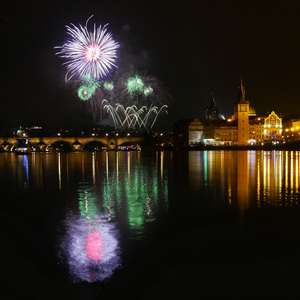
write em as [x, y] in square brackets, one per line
[90, 248]
[93, 245]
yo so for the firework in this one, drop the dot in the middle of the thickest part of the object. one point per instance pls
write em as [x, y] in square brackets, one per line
[89, 52]
[135, 84]
[108, 85]
[85, 92]
[131, 116]
[88, 87]
[148, 90]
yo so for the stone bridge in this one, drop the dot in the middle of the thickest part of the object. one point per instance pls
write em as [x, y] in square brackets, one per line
[76, 143]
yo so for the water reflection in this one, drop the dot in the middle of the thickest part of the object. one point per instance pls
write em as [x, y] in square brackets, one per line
[121, 188]
[131, 187]
[243, 179]
[125, 181]
[22, 171]
[269, 177]
[129, 184]
[91, 248]
[90, 244]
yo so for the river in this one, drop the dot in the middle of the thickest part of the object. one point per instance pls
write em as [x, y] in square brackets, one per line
[150, 225]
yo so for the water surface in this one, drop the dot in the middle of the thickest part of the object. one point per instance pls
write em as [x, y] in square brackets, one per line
[177, 225]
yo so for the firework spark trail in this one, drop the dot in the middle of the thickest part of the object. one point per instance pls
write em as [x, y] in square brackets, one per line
[88, 53]
[164, 106]
[113, 113]
[132, 116]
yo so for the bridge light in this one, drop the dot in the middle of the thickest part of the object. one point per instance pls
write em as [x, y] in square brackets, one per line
[106, 134]
[93, 134]
[117, 134]
[58, 134]
[128, 134]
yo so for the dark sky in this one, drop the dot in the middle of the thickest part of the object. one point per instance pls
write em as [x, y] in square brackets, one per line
[194, 47]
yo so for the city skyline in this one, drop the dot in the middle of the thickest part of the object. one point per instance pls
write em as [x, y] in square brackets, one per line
[195, 49]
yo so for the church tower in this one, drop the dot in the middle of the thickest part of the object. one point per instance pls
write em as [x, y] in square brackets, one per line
[241, 113]
[213, 110]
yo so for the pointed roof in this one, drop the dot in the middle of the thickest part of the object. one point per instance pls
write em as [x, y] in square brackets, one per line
[243, 91]
[212, 101]
[242, 94]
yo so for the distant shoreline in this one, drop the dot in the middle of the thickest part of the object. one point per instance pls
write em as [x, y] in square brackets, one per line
[256, 148]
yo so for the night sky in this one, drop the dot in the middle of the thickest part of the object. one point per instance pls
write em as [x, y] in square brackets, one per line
[194, 47]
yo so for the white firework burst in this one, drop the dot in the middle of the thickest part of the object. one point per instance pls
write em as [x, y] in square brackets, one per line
[89, 52]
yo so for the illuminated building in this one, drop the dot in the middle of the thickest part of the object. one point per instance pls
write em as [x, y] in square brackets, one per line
[21, 132]
[248, 126]
[244, 128]
[195, 131]
[220, 133]
[273, 129]
[256, 131]
[291, 131]
[241, 114]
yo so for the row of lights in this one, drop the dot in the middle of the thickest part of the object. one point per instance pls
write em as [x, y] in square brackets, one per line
[292, 129]
[93, 134]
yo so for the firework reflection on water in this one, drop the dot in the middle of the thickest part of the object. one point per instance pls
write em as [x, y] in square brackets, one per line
[90, 248]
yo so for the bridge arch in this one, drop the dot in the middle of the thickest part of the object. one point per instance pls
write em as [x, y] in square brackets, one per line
[42, 144]
[59, 146]
[93, 146]
[6, 146]
[129, 146]
[166, 143]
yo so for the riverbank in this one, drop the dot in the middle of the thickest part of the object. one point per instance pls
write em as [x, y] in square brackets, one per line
[290, 146]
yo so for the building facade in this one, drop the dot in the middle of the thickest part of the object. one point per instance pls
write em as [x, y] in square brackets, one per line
[243, 129]
[195, 132]
[273, 129]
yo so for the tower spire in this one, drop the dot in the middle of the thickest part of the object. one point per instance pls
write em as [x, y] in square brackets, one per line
[212, 102]
[243, 99]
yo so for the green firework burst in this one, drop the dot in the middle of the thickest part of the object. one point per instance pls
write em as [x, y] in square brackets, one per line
[85, 92]
[135, 84]
[109, 86]
[148, 90]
